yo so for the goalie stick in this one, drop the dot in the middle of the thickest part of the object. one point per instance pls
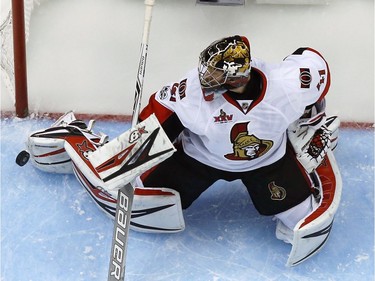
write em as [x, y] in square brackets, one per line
[126, 193]
[120, 233]
[142, 62]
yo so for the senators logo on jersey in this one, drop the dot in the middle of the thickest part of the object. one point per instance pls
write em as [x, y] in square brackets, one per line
[246, 146]
[278, 193]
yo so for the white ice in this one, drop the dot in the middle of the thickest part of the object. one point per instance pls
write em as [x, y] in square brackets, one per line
[51, 230]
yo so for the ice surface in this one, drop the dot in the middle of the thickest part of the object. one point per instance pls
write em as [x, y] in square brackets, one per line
[51, 229]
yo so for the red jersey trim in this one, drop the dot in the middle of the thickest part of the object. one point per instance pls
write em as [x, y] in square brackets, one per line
[162, 113]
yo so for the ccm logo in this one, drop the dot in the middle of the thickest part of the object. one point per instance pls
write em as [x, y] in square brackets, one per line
[120, 232]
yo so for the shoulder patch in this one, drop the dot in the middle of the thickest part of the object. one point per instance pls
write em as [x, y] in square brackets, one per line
[305, 77]
[177, 90]
[164, 92]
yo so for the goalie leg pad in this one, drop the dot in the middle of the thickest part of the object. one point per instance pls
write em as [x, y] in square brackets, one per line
[154, 210]
[287, 220]
[102, 199]
[78, 148]
[333, 124]
[46, 147]
[312, 232]
[48, 154]
[157, 210]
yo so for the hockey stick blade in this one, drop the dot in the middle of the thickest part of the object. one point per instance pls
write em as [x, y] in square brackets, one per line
[120, 233]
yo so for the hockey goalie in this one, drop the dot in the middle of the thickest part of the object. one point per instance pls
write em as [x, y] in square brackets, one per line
[233, 117]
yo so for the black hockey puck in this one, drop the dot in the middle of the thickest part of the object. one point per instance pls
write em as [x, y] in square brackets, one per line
[22, 158]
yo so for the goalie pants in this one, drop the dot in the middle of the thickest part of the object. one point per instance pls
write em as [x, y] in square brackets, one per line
[273, 189]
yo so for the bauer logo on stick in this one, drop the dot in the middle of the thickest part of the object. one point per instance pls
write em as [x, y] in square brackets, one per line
[120, 233]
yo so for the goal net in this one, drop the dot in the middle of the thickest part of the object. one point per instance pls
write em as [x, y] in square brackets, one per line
[6, 37]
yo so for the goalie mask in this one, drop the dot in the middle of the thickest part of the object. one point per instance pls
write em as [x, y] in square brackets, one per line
[225, 63]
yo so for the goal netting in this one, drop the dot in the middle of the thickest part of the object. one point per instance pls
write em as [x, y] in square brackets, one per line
[6, 37]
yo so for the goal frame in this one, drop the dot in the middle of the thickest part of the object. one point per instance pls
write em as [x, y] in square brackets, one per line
[19, 52]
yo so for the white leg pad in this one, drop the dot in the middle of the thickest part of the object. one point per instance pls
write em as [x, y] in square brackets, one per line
[312, 232]
[292, 216]
[286, 221]
[157, 210]
[46, 147]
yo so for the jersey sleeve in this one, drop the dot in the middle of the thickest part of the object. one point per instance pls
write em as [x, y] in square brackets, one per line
[307, 77]
[174, 103]
[167, 118]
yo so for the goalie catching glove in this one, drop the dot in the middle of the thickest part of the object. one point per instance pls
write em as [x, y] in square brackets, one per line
[311, 137]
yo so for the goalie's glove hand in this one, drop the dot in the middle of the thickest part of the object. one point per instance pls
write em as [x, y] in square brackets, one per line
[310, 139]
[315, 151]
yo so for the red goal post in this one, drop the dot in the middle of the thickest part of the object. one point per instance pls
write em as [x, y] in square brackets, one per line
[14, 30]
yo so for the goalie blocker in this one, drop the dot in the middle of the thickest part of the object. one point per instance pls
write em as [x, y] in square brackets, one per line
[103, 170]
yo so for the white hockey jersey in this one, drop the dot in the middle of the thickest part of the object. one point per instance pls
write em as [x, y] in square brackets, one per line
[237, 134]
